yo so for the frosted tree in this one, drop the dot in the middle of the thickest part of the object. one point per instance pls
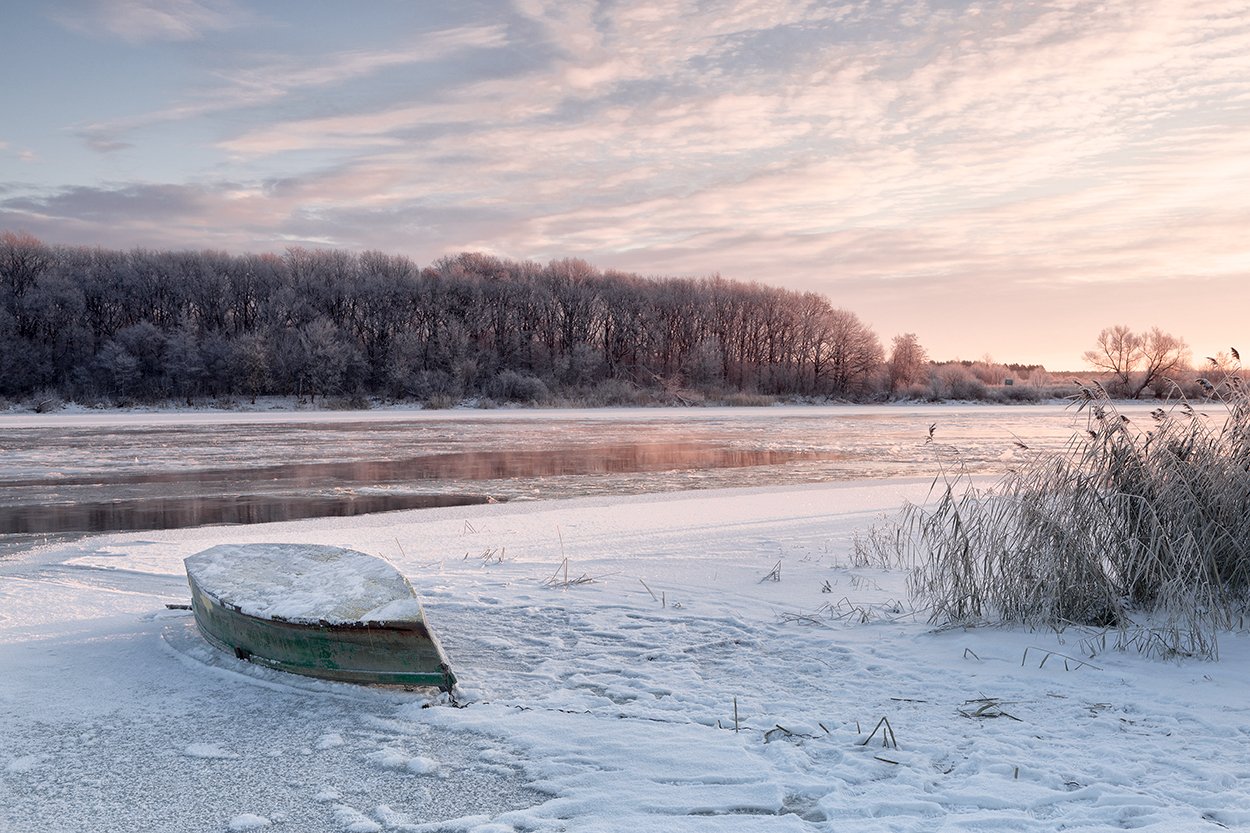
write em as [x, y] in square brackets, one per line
[1136, 361]
[23, 258]
[908, 364]
[846, 354]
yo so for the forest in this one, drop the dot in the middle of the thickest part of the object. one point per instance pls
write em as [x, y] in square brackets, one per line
[99, 325]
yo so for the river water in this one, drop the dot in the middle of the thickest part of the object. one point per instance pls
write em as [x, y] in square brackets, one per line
[65, 475]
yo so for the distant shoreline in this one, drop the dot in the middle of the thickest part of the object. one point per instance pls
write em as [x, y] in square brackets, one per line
[291, 406]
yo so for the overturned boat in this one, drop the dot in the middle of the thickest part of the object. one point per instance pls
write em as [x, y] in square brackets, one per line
[315, 610]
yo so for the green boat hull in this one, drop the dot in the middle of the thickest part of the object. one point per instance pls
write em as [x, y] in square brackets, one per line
[380, 653]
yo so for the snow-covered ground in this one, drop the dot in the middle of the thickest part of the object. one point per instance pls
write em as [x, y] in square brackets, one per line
[679, 690]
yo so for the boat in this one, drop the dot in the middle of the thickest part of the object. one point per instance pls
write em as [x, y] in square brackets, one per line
[316, 610]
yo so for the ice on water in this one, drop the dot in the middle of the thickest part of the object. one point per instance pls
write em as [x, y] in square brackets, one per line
[678, 690]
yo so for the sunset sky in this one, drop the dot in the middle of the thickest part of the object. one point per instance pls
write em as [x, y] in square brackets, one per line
[1000, 178]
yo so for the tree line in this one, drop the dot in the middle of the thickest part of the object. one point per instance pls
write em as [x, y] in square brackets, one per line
[139, 325]
[97, 324]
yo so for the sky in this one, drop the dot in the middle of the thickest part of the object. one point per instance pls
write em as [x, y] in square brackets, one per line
[1002, 179]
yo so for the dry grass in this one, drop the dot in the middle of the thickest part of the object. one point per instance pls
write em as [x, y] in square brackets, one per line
[1136, 529]
[560, 578]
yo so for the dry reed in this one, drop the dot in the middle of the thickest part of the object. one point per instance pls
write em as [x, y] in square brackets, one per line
[1132, 529]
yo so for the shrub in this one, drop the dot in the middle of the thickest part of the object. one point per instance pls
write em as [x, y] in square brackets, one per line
[1127, 522]
[955, 382]
[349, 402]
[1023, 393]
[747, 399]
[618, 392]
[43, 402]
[510, 386]
[439, 402]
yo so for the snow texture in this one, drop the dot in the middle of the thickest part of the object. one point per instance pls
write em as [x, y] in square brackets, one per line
[678, 688]
[207, 750]
[304, 583]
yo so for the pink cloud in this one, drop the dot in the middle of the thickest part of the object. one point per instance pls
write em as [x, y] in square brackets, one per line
[1010, 151]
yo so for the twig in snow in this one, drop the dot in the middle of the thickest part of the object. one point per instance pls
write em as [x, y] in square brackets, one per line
[887, 734]
[777, 729]
[1067, 660]
[802, 619]
[556, 581]
[988, 707]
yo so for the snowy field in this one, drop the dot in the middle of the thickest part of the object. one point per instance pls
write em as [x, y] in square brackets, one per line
[607, 705]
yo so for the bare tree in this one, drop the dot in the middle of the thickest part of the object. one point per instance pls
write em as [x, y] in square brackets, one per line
[23, 258]
[145, 324]
[1137, 361]
[184, 362]
[251, 361]
[1118, 352]
[908, 361]
[846, 354]
[1163, 354]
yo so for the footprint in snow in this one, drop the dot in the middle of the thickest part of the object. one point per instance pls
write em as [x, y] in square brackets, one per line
[397, 759]
[329, 740]
[354, 821]
[209, 751]
[26, 763]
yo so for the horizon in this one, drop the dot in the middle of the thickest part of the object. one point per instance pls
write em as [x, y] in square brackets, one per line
[1001, 181]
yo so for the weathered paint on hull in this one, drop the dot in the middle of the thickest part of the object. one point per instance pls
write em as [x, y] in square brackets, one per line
[380, 653]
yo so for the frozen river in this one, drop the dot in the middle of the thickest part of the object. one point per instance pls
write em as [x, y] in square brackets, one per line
[69, 474]
[678, 688]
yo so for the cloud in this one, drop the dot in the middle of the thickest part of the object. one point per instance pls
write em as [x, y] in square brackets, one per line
[873, 120]
[275, 79]
[101, 143]
[868, 150]
[498, 101]
[254, 218]
[96, 204]
[144, 21]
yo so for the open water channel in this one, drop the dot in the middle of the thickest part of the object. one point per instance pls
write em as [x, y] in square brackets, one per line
[65, 475]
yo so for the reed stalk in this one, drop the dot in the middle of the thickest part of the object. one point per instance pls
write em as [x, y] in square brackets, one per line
[1129, 524]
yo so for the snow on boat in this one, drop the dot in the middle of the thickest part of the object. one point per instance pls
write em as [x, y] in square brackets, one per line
[315, 610]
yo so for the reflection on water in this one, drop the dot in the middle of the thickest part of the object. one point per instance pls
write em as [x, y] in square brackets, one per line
[264, 494]
[176, 513]
[469, 465]
[57, 478]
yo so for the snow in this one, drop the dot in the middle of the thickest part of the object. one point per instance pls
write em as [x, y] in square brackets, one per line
[676, 689]
[207, 750]
[329, 740]
[304, 583]
[78, 416]
[392, 758]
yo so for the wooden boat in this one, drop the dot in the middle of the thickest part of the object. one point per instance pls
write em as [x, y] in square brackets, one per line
[315, 610]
